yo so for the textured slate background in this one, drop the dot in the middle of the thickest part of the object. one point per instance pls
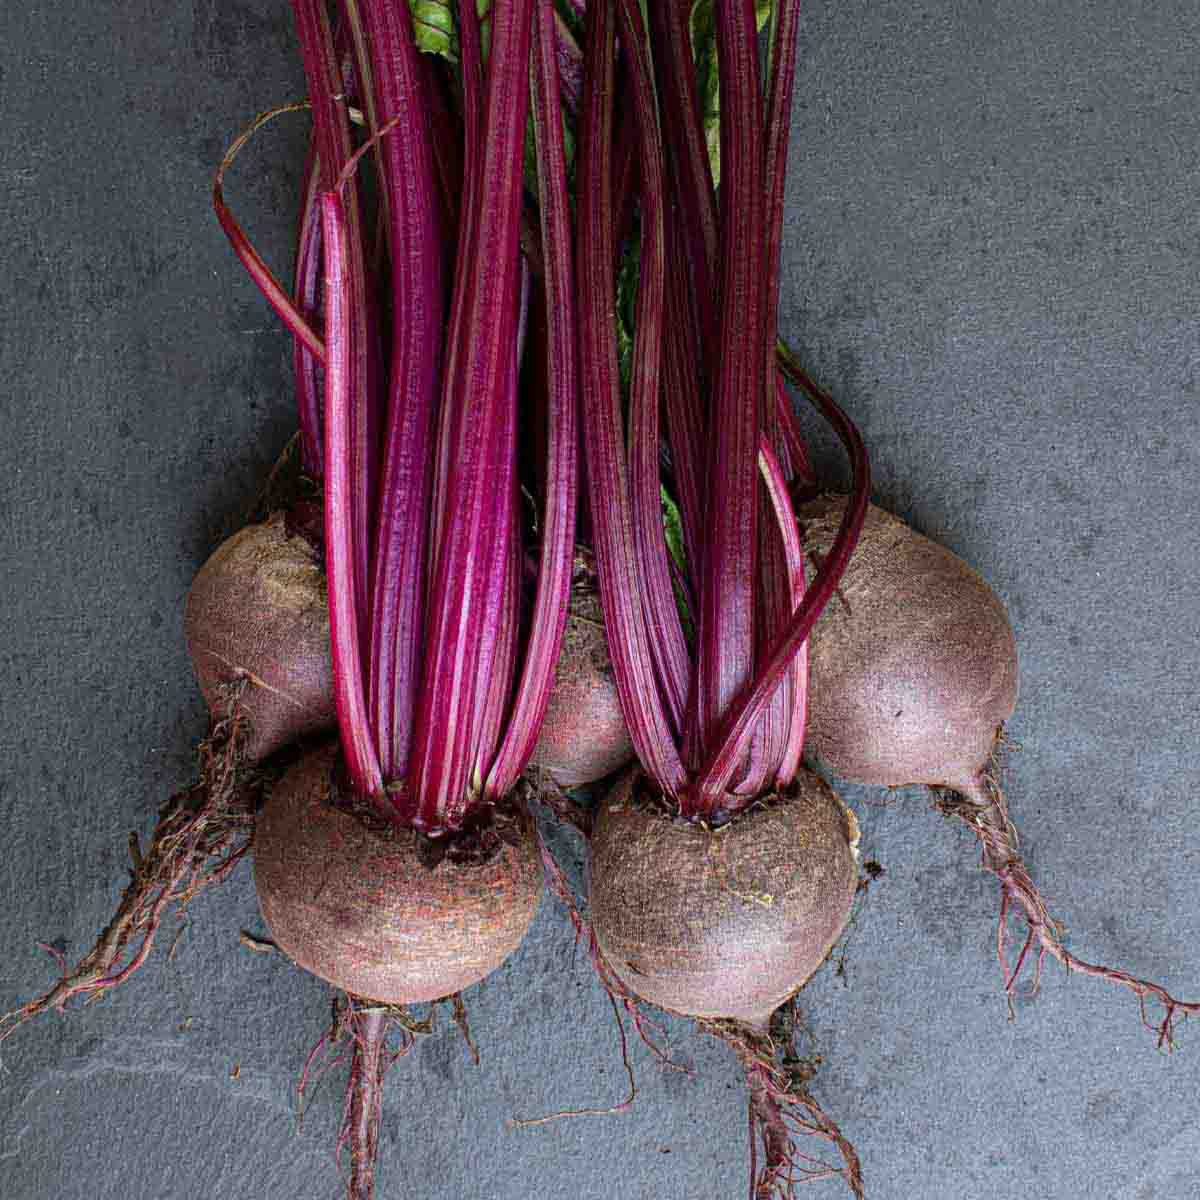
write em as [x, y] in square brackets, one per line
[993, 258]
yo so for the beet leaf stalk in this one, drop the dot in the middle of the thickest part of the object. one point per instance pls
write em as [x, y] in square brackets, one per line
[363, 381]
[761, 870]
[737, 672]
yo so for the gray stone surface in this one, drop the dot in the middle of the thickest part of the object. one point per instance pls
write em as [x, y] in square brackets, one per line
[992, 257]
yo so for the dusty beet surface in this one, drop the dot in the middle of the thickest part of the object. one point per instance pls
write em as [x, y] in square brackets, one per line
[726, 923]
[257, 611]
[912, 666]
[583, 737]
[374, 909]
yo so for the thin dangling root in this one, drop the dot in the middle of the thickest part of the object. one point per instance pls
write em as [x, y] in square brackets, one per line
[458, 1011]
[782, 1110]
[376, 1036]
[201, 835]
[647, 1029]
[983, 809]
[619, 997]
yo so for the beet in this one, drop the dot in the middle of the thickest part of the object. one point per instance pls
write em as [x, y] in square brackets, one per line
[726, 923]
[583, 737]
[912, 675]
[383, 911]
[257, 612]
[913, 666]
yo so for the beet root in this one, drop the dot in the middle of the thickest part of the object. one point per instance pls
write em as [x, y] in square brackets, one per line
[912, 675]
[912, 666]
[726, 923]
[257, 612]
[201, 835]
[584, 737]
[384, 912]
[781, 1108]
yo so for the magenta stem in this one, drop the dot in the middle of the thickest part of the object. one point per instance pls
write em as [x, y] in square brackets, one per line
[722, 761]
[341, 485]
[727, 618]
[558, 534]
[607, 476]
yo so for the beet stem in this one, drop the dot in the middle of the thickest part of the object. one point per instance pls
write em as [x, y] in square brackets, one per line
[779, 753]
[793, 557]
[306, 293]
[556, 561]
[343, 482]
[619, 569]
[363, 367]
[406, 172]
[667, 643]
[471, 558]
[273, 291]
[740, 721]
[728, 619]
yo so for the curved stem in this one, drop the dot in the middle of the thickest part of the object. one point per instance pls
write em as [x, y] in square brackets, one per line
[342, 484]
[273, 291]
[740, 723]
[793, 556]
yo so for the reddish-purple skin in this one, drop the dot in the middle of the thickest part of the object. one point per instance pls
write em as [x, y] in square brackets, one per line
[369, 906]
[726, 923]
[584, 737]
[913, 664]
[257, 611]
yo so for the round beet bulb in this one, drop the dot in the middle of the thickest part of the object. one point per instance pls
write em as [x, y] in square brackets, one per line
[383, 911]
[723, 923]
[912, 665]
[257, 612]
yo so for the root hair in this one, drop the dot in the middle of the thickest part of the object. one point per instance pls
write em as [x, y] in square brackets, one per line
[202, 833]
[984, 810]
[783, 1111]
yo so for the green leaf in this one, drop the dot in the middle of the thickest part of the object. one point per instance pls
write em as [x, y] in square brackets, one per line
[436, 32]
[571, 18]
[673, 528]
[627, 288]
[433, 27]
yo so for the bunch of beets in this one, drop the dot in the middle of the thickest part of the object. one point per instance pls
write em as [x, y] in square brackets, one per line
[548, 521]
